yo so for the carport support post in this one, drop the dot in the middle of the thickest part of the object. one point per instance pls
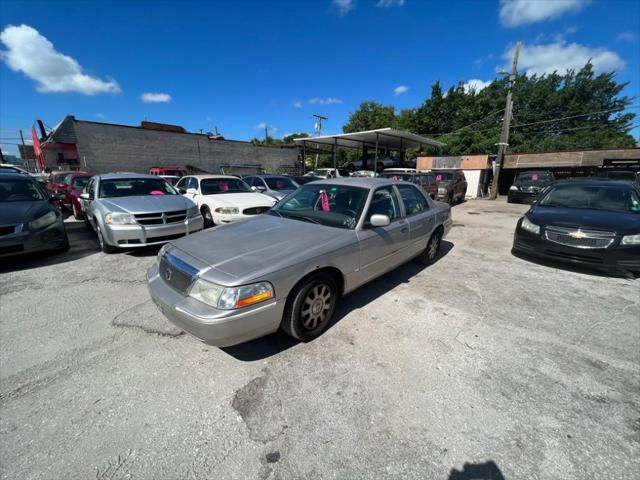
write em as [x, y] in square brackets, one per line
[304, 157]
[375, 161]
[334, 152]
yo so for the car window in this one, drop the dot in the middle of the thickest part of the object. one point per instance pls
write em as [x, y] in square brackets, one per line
[192, 183]
[91, 187]
[431, 179]
[444, 176]
[281, 183]
[337, 206]
[181, 183]
[135, 187]
[344, 172]
[67, 179]
[80, 182]
[595, 197]
[414, 201]
[19, 190]
[384, 202]
[216, 186]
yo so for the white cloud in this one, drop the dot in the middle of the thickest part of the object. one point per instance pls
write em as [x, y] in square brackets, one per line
[514, 13]
[389, 3]
[343, 6]
[400, 89]
[297, 104]
[324, 101]
[151, 97]
[560, 56]
[627, 37]
[262, 126]
[35, 56]
[476, 85]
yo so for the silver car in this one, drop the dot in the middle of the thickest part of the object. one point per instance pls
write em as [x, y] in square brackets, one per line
[287, 269]
[133, 210]
[276, 186]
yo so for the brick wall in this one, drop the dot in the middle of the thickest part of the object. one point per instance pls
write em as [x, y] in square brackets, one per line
[108, 148]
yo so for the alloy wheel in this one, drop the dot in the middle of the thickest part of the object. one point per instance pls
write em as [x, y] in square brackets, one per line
[316, 306]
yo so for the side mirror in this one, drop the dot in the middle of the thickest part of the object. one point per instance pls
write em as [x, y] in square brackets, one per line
[378, 220]
[182, 191]
[191, 191]
[254, 188]
[85, 196]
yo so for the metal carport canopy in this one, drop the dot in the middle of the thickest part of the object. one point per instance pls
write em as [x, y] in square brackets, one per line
[381, 137]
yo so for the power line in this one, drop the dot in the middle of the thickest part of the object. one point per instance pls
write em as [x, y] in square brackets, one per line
[568, 117]
[466, 126]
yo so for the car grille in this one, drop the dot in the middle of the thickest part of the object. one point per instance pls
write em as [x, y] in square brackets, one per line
[255, 210]
[176, 273]
[161, 218]
[579, 238]
[7, 230]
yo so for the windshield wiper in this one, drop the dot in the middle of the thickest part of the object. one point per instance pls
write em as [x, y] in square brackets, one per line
[277, 213]
[306, 219]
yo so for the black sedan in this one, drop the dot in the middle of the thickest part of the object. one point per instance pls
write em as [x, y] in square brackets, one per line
[29, 221]
[528, 185]
[590, 223]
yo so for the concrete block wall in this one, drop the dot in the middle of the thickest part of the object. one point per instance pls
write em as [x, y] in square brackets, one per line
[108, 148]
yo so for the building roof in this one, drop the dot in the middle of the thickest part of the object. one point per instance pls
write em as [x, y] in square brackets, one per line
[386, 137]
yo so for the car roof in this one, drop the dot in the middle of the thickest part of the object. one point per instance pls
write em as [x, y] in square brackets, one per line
[208, 176]
[594, 181]
[124, 176]
[267, 175]
[363, 182]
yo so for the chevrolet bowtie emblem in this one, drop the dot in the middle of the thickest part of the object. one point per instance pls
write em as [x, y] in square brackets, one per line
[577, 234]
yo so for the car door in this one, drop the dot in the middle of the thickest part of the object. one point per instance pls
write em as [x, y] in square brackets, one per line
[382, 248]
[420, 217]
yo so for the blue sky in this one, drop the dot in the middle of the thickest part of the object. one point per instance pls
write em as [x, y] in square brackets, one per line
[239, 64]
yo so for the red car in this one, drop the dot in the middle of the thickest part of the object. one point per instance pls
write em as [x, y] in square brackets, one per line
[74, 184]
[57, 182]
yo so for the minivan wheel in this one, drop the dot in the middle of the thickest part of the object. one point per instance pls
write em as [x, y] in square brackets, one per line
[104, 246]
[310, 308]
[429, 255]
[208, 217]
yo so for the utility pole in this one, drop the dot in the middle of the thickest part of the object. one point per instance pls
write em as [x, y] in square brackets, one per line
[26, 161]
[506, 124]
[318, 126]
[266, 133]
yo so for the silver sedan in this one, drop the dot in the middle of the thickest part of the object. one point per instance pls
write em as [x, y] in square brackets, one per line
[288, 268]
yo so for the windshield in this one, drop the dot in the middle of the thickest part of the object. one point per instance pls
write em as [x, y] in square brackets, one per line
[398, 176]
[622, 175]
[135, 187]
[533, 177]
[595, 197]
[337, 206]
[59, 178]
[19, 190]
[281, 183]
[444, 176]
[214, 186]
[80, 182]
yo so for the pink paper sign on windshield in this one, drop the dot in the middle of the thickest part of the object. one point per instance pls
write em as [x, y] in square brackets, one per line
[438, 178]
[324, 200]
[156, 192]
[534, 178]
[394, 178]
[224, 187]
[279, 184]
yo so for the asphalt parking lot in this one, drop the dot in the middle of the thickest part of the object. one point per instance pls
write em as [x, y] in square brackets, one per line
[483, 364]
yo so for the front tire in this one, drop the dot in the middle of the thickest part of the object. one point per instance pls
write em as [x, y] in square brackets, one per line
[429, 255]
[208, 217]
[104, 246]
[310, 307]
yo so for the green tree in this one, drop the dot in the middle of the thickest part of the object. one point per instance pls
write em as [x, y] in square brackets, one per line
[369, 116]
[288, 139]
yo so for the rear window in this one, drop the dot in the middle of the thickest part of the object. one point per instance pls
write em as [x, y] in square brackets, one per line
[443, 176]
[534, 177]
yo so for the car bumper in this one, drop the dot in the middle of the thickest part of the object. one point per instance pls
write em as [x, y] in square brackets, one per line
[521, 197]
[612, 259]
[48, 238]
[221, 328]
[132, 236]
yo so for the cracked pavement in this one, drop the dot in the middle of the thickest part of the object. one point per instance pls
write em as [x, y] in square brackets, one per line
[481, 364]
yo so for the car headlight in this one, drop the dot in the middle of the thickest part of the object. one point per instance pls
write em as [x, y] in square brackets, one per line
[193, 211]
[43, 221]
[119, 218]
[227, 210]
[442, 189]
[529, 226]
[162, 251]
[513, 188]
[630, 240]
[229, 298]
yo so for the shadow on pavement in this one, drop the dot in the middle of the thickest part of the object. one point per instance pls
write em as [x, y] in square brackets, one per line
[82, 243]
[570, 267]
[477, 471]
[278, 342]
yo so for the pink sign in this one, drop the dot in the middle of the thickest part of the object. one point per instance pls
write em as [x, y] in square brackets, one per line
[156, 192]
[324, 200]
[224, 187]
[534, 178]
[394, 178]
[279, 184]
[438, 178]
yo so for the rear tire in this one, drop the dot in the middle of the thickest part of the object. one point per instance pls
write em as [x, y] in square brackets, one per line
[429, 255]
[310, 307]
[208, 218]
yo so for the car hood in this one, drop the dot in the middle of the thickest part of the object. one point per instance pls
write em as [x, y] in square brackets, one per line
[259, 245]
[13, 213]
[240, 200]
[623, 223]
[147, 203]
